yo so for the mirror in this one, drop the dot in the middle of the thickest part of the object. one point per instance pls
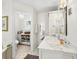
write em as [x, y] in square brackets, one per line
[57, 22]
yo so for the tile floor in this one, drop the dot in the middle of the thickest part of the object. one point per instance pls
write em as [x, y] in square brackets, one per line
[23, 50]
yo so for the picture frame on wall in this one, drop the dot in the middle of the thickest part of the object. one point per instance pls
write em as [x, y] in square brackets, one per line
[4, 23]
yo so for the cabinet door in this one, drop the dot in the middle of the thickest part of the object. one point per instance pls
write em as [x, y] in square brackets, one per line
[68, 56]
[46, 54]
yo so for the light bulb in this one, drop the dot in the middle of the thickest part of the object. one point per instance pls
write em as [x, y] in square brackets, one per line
[21, 16]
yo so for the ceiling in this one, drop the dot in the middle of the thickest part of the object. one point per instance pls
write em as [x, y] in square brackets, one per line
[40, 4]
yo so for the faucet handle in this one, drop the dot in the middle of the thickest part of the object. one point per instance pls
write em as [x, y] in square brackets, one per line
[67, 42]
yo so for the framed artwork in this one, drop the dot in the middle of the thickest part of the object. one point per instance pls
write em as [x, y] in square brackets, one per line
[4, 23]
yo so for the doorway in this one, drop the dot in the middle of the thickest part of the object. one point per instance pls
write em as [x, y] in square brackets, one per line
[22, 32]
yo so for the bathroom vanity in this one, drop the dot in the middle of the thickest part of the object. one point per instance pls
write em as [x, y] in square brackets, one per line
[49, 49]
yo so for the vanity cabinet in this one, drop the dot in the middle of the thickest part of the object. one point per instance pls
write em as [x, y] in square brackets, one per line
[55, 51]
[48, 54]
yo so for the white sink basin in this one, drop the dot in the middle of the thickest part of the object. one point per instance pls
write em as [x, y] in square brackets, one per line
[51, 40]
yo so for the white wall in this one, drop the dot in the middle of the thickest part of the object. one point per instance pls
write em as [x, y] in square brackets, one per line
[42, 24]
[7, 11]
[72, 24]
[42, 18]
[8, 37]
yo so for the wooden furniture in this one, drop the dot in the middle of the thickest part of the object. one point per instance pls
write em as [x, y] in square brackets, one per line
[7, 54]
[25, 38]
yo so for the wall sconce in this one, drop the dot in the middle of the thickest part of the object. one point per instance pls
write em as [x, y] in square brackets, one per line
[69, 11]
[62, 3]
[69, 7]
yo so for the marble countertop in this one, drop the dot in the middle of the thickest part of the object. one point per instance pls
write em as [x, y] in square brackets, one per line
[54, 46]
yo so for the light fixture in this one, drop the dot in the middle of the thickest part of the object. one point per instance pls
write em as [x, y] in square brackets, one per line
[62, 3]
[21, 16]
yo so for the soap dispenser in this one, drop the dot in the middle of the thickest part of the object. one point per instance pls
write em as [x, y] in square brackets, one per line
[61, 39]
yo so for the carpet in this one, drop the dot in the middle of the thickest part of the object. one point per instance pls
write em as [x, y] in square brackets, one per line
[31, 57]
